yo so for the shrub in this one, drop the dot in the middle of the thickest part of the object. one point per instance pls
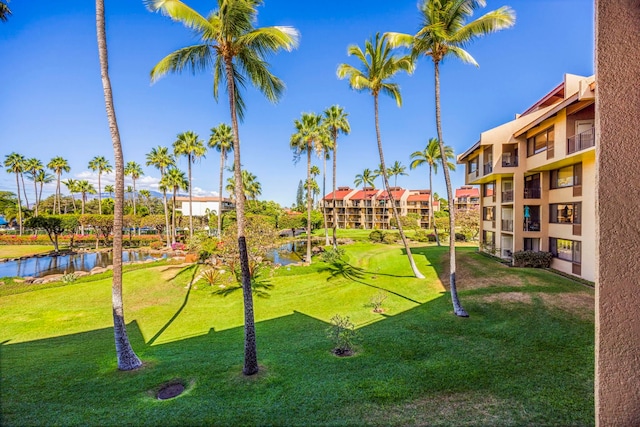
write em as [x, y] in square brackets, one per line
[421, 236]
[156, 245]
[390, 238]
[177, 246]
[343, 334]
[376, 236]
[377, 300]
[332, 255]
[461, 237]
[532, 259]
[69, 278]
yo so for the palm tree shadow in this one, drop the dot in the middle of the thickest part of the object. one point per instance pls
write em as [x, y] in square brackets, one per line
[184, 303]
[356, 274]
[259, 286]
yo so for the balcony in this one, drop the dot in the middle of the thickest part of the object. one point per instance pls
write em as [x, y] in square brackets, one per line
[507, 196]
[509, 160]
[581, 141]
[507, 225]
[531, 224]
[532, 193]
[487, 168]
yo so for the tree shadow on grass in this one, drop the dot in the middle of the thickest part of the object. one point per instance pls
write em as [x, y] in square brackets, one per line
[347, 271]
[260, 286]
[195, 269]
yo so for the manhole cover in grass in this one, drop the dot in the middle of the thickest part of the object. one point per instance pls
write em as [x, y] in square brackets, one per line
[169, 391]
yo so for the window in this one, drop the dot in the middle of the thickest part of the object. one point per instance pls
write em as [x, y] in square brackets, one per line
[565, 213]
[489, 239]
[568, 176]
[531, 244]
[568, 250]
[472, 166]
[540, 142]
[488, 213]
[488, 189]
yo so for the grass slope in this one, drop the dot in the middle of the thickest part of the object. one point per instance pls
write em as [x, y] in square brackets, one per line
[524, 357]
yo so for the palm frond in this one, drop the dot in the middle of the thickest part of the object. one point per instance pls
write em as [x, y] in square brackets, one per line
[269, 40]
[258, 71]
[393, 90]
[493, 21]
[195, 58]
[180, 12]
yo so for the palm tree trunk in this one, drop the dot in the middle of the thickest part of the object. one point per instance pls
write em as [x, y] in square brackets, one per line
[414, 268]
[222, 156]
[432, 223]
[35, 192]
[173, 216]
[250, 346]
[19, 205]
[457, 307]
[24, 190]
[127, 359]
[335, 214]
[167, 231]
[40, 193]
[190, 200]
[324, 211]
[57, 198]
[308, 258]
[99, 194]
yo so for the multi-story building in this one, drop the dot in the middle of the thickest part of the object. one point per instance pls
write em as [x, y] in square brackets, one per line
[467, 198]
[370, 208]
[204, 205]
[537, 177]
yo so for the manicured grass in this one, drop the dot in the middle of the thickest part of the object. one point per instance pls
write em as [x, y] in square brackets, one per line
[524, 357]
[16, 251]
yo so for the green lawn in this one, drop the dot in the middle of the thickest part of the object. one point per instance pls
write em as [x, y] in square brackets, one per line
[16, 251]
[524, 357]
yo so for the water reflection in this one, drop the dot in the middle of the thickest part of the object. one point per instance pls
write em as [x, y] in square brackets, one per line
[42, 266]
[289, 253]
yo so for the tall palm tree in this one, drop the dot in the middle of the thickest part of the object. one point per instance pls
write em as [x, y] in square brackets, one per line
[397, 169]
[189, 145]
[72, 187]
[85, 188]
[445, 31]
[222, 140]
[430, 156]
[315, 171]
[335, 119]
[251, 188]
[5, 12]
[309, 136]
[146, 198]
[101, 165]
[236, 50]
[14, 163]
[58, 165]
[110, 190]
[161, 158]
[134, 170]
[378, 65]
[127, 359]
[42, 178]
[33, 167]
[174, 179]
[366, 179]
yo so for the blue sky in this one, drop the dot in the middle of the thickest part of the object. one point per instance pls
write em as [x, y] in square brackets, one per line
[51, 101]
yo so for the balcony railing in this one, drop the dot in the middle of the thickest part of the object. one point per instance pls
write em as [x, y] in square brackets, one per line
[532, 193]
[531, 224]
[581, 141]
[509, 160]
[507, 225]
[507, 196]
[487, 168]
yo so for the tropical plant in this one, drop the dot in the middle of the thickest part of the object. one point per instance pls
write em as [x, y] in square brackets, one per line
[5, 12]
[72, 187]
[343, 335]
[378, 65]
[430, 156]
[127, 359]
[101, 165]
[33, 166]
[134, 170]
[222, 140]
[174, 179]
[335, 120]
[161, 158]
[14, 163]
[110, 190]
[189, 145]
[366, 179]
[58, 165]
[397, 169]
[445, 31]
[236, 50]
[309, 136]
[41, 178]
[251, 188]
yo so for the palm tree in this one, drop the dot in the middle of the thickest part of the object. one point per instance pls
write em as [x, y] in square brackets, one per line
[42, 178]
[134, 170]
[129, 191]
[84, 188]
[189, 145]
[335, 119]
[174, 179]
[236, 50]
[315, 171]
[430, 156]
[251, 188]
[146, 197]
[222, 140]
[378, 66]
[109, 189]
[127, 359]
[161, 158]
[445, 32]
[33, 167]
[72, 187]
[5, 12]
[58, 165]
[100, 164]
[309, 136]
[14, 163]
[397, 169]
[366, 179]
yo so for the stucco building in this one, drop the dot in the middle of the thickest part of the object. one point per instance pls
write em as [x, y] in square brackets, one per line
[204, 205]
[537, 178]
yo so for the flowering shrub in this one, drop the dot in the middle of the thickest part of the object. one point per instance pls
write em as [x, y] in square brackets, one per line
[78, 239]
[156, 245]
[177, 246]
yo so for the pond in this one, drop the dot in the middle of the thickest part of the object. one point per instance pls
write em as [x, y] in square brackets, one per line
[43, 266]
[289, 253]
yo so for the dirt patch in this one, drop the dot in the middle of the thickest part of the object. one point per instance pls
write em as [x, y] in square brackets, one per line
[170, 390]
[580, 304]
[507, 297]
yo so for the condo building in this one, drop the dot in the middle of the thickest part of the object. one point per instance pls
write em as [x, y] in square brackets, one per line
[537, 179]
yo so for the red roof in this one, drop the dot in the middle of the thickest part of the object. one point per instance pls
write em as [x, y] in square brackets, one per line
[467, 191]
[341, 193]
[395, 192]
[422, 196]
[367, 194]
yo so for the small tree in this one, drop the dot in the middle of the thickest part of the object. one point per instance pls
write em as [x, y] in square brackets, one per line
[343, 335]
[53, 225]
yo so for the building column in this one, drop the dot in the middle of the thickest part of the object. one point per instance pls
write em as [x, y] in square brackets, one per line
[617, 54]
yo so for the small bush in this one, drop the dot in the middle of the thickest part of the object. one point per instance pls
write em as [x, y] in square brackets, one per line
[532, 259]
[69, 278]
[390, 238]
[332, 255]
[377, 300]
[461, 237]
[156, 245]
[421, 236]
[177, 246]
[343, 334]
[376, 236]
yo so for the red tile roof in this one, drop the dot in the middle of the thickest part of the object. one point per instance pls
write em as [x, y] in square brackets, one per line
[422, 196]
[467, 191]
[341, 193]
[396, 192]
[366, 194]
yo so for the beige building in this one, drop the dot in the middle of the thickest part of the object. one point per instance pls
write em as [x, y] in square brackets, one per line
[203, 205]
[467, 198]
[370, 208]
[537, 178]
